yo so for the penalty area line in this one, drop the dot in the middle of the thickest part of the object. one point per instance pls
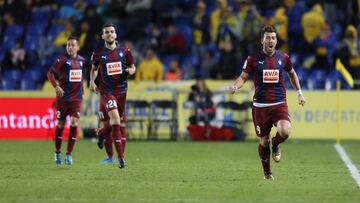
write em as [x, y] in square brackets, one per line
[347, 161]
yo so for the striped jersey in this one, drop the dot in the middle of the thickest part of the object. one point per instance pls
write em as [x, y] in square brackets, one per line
[269, 76]
[69, 72]
[113, 77]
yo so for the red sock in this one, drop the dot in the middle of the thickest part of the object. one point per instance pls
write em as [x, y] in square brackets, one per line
[116, 134]
[71, 139]
[264, 154]
[277, 139]
[58, 139]
[123, 138]
[106, 131]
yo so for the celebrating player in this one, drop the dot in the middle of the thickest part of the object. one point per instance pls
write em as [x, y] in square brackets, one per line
[67, 80]
[113, 62]
[269, 102]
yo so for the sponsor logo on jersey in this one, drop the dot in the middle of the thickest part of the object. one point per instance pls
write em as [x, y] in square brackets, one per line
[114, 68]
[68, 62]
[270, 76]
[75, 76]
[261, 62]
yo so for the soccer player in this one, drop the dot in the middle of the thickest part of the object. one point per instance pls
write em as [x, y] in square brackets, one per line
[269, 102]
[67, 79]
[114, 62]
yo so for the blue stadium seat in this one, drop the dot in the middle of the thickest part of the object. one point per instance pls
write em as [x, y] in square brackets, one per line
[317, 79]
[54, 31]
[33, 74]
[303, 76]
[8, 84]
[28, 84]
[13, 74]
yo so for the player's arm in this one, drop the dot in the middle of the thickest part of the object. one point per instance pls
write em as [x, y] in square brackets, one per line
[51, 77]
[131, 69]
[296, 85]
[239, 82]
[93, 74]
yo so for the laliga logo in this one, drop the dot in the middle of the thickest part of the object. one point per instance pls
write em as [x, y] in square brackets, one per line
[14, 121]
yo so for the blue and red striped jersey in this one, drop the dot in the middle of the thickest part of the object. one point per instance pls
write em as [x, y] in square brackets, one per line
[268, 75]
[69, 72]
[113, 77]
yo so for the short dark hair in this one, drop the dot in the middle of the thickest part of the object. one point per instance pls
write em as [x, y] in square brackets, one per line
[108, 25]
[73, 38]
[267, 28]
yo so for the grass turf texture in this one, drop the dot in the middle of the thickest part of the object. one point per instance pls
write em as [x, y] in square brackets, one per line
[310, 171]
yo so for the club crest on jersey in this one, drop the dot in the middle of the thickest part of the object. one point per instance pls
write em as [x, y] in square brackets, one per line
[121, 54]
[279, 61]
[75, 76]
[81, 63]
[114, 68]
[270, 76]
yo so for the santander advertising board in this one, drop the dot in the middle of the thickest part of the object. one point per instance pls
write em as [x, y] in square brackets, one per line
[28, 118]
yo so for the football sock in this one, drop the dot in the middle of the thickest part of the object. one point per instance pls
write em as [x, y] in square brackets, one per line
[58, 139]
[116, 133]
[71, 139]
[277, 140]
[264, 154]
[108, 143]
[123, 138]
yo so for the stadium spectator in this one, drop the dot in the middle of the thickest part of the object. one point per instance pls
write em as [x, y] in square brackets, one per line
[325, 48]
[150, 68]
[249, 22]
[114, 62]
[174, 73]
[204, 109]
[215, 17]
[16, 57]
[228, 29]
[313, 22]
[226, 68]
[175, 42]
[349, 53]
[67, 79]
[201, 31]
[294, 12]
[269, 103]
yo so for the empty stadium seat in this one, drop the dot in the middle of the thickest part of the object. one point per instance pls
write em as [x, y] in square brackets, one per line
[317, 79]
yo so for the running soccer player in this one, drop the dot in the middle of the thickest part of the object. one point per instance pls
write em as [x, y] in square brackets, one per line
[113, 63]
[269, 102]
[67, 79]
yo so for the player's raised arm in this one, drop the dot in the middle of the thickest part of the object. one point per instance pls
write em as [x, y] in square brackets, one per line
[296, 85]
[239, 82]
[93, 75]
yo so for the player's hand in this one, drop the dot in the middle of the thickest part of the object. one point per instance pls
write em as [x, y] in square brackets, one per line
[59, 91]
[93, 87]
[130, 70]
[302, 100]
[232, 89]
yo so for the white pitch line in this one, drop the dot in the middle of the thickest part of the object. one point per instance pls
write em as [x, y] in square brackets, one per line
[346, 159]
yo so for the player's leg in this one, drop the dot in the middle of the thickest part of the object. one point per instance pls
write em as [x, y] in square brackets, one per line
[121, 108]
[264, 154]
[104, 135]
[283, 132]
[71, 139]
[262, 124]
[107, 142]
[116, 134]
[281, 119]
[58, 141]
[61, 117]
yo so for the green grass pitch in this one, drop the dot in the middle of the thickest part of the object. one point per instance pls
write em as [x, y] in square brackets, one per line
[310, 171]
